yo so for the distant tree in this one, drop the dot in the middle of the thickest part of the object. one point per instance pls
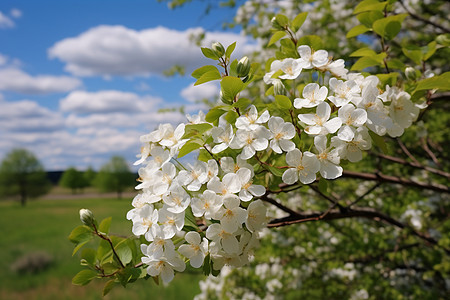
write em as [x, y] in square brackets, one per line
[21, 174]
[115, 176]
[89, 176]
[74, 180]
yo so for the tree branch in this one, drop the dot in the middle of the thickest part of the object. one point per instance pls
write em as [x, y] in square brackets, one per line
[362, 212]
[379, 177]
[419, 18]
[413, 164]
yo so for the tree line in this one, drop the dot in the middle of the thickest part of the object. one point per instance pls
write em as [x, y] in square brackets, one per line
[23, 176]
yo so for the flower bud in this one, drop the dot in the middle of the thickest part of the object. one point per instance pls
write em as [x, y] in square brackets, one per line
[243, 67]
[86, 217]
[278, 87]
[275, 24]
[410, 73]
[218, 49]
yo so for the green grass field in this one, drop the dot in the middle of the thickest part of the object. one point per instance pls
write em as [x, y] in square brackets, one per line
[43, 226]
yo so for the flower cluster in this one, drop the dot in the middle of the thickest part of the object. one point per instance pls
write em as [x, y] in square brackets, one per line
[209, 213]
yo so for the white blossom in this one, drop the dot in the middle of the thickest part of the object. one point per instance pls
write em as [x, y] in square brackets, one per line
[312, 96]
[196, 250]
[318, 122]
[303, 167]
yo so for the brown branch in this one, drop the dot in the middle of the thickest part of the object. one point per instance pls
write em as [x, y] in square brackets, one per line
[379, 177]
[413, 164]
[419, 18]
[364, 195]
[406, 151]
[106, 238]
[362, 212]
[429, 152]
[279, 205]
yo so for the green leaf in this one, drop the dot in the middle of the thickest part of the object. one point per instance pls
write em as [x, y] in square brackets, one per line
[379, 141]
[357, 30]
[196, 129]
[124, 252]
[368, 61]
[209, 53]
[231, 117]
[414, 53]
[104, 225]
[214, 114]
[78, 247]
[363, 52]
[299, 20]
[200, 71]
[276, 171]
[388, 79]
[207, 265]
[387, 28]
[84, 277]
[242, 103]
[189, 219]
[81, 234]
[369, 5]
[276, 36]
[441, 82]
[230, 50]
[231, 86]
[209, 76]
[269, 91]
[430, 49]
[367, 18]
[108, 287]
[282, 20]
[323, 186]
[89, 255]
[314, 41]
[188, 148]
[396, 64]
[283, 101]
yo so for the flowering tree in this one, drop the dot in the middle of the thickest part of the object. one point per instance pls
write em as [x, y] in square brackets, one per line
[283, 159]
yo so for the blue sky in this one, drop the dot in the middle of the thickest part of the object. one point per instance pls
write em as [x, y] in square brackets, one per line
[81, 80]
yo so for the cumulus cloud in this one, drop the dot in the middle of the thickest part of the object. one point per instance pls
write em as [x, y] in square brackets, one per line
[16, 80]
[5, 21]
[117, 50]
[107, 101]
[193, 93]
[28, 116]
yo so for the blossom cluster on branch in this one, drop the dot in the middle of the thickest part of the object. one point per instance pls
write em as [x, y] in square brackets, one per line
[210, 210]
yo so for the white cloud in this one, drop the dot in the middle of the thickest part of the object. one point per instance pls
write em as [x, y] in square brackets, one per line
[3, 59]
[5, 21]
[106, 102]
[16, 13]
[16, 80]
[116, 50]
[193, 93]
[28, 116]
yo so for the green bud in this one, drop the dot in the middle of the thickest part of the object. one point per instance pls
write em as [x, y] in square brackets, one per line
[278, 88]
[275, 24]
[410, 73]
[243, 67]
[218, 49]
[87, 217]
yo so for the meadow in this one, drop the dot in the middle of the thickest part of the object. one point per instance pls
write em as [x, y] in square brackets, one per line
[43, 227]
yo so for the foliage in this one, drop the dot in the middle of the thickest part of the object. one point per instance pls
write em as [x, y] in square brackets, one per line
[329, 170]
[115, 176]
[21, 174]
[74, 180]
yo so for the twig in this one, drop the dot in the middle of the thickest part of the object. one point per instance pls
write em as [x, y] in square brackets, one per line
[364, 195]
[413, 164]
[429, 152]
[406, 151]
[398, 180]
[419, 18]
[279, 205]
[106, 238]
[362, 212]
